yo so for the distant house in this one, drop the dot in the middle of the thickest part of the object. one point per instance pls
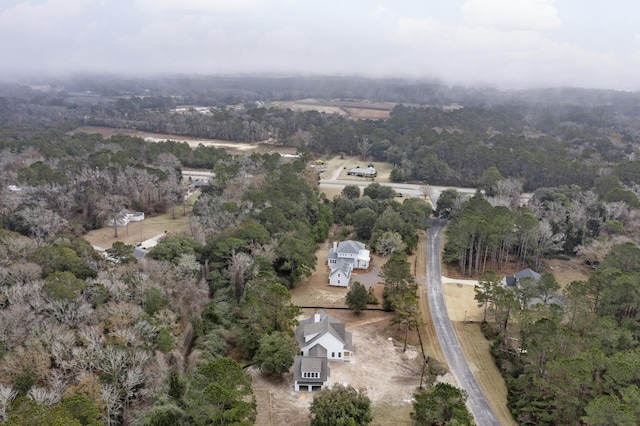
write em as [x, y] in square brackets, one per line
[125, 216]
[369, 172]
[528, 277]
[322, 338]
[513, 280]
[345, 257]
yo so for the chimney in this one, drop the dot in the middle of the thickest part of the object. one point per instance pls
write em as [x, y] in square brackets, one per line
[335, 246]
[316, 317]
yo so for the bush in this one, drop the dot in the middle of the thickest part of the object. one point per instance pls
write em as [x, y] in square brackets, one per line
[371, 298]
[164, 341]
[340, 406]
[154, 301]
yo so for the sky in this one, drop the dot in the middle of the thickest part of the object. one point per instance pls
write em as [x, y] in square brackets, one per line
[492, 43]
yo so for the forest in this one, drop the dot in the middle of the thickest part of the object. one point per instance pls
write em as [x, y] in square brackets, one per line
[88, 339]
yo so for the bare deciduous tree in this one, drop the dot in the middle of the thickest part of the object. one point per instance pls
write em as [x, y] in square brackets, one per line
[110, 209]
[239, 270]
[41, 222]
[510, 190]
[7, 395]
[595, 252]
[111, 399]
[20, 274]
[364, 146]
[15, 325]
[616, 210]
[44, 396]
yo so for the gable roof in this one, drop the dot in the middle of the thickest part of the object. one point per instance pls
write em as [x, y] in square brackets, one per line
[367, 170]
[350, 246]
[312, 365]
[318, 350]
[326, 324]
[342, 266]
[527, 273]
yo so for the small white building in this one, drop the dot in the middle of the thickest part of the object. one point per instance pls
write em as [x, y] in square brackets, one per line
[125, 216]
[369, 172]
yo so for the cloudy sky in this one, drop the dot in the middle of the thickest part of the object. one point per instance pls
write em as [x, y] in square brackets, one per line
[503, 43]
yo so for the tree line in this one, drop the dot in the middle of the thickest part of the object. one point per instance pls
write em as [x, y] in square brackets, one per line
[570, 359]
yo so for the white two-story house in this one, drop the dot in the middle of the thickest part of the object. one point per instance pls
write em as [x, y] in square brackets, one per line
[321, 338]
[344, 258]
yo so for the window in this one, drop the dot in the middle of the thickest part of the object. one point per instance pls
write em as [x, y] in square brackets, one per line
[333, 354]
[339, 354]
[301, 353]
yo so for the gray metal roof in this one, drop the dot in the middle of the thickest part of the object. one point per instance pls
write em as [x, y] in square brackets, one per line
[350, 246]
[527, 273]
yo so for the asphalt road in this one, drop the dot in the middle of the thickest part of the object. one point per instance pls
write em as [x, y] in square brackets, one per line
[406, 189]
[458, 365]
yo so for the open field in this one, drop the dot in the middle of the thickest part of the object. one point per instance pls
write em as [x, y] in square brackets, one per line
[136, 232]
[354, 109]
[362, 110]
[302, 105]
[233, 148]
